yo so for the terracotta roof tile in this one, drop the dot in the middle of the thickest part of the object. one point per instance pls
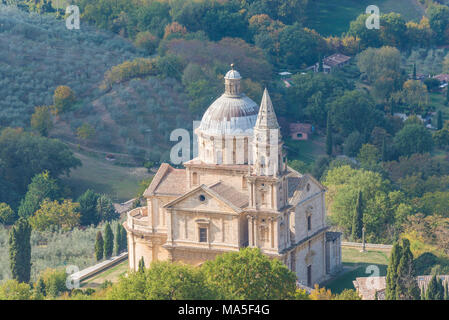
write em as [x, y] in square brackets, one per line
[231, 194]
[168, 181]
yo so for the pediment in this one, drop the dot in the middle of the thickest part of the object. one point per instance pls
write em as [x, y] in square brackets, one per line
[203, 199]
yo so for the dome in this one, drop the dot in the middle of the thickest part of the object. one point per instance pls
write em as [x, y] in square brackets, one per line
[233, 74]
[230, 115]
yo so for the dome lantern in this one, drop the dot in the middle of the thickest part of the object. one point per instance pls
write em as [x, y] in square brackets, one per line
[232, 82]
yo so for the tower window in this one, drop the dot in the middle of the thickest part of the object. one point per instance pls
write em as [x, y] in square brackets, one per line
[203, 234]
[195, 178]
[309, 223]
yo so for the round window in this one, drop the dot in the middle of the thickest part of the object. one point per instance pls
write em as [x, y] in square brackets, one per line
[202, 197]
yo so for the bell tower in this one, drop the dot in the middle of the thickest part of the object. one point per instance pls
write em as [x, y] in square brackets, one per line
[266, 173]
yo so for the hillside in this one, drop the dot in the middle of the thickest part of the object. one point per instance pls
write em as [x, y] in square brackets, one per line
[333, 17]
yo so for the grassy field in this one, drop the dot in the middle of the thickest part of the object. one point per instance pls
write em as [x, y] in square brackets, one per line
[100, 175]
[356, 264]
[333, 17]
[307, 151]
[111, 274]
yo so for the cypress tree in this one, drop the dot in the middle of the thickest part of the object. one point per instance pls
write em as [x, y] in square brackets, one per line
[108, 241]
[99, 246]
[406, 286]
[439, 120]
[118, 240]
[357, 222]
[391, 279]
[39, 288]
[435, 289]
[414, 71]
[141, 268]
[329, 139]
[124, 239]
[20, 250]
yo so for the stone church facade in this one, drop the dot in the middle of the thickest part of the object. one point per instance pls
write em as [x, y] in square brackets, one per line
[239, 192]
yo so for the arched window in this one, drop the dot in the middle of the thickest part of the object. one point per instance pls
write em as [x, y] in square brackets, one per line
[195, 178]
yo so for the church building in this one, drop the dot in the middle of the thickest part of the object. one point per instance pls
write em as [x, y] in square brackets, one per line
[238, 192]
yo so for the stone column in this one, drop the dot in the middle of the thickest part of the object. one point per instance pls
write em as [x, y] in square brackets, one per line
[250, 231]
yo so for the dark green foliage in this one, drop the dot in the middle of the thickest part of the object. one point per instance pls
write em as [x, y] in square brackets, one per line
[39, 288]
[413, 138]
[124, 238]
[407, 286]
[352, 144]
[249, 274]
[105, 209]
[384, 150]
[20, 250]
[24, 155]
[141, 268]
[88, 208]
[357, 223]
[99, 246]
[414, 72]
[118, 240]
[439, 120]
[108, 241]
[435, 289]
[7, 215]
[392, 276]
[42, 186]
[329, 140]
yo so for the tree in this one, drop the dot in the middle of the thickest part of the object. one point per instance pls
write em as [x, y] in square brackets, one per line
[141, 267]
[354, 110]
[146, 41]
[108, 241]
[249, 274]
[414, 72]
[99, 246]
[392, 275]
[435, 289]
[415, 95]
[118, 239]
[124, 239]
[55, 281]
[329, 140]
[41, 120]
[163, 281]
[413, 138]
[88, 208]
[24, 155]
[63, 99]
[20, 250]
[85, 132]
[15, 290]
[406, 286]
[52, 214]
[368, 156]
[299, 47]
[357, 224]
[7, 215]
[438, 21]
[42, 186]
[439, 120]
[39, 289]
[105, 209]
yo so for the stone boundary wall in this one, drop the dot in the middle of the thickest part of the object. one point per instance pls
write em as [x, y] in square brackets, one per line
[367, 245]
[93, 270]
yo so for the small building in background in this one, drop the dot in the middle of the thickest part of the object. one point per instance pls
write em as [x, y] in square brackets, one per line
[443, 78]
[337, 60]
[301, 131]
